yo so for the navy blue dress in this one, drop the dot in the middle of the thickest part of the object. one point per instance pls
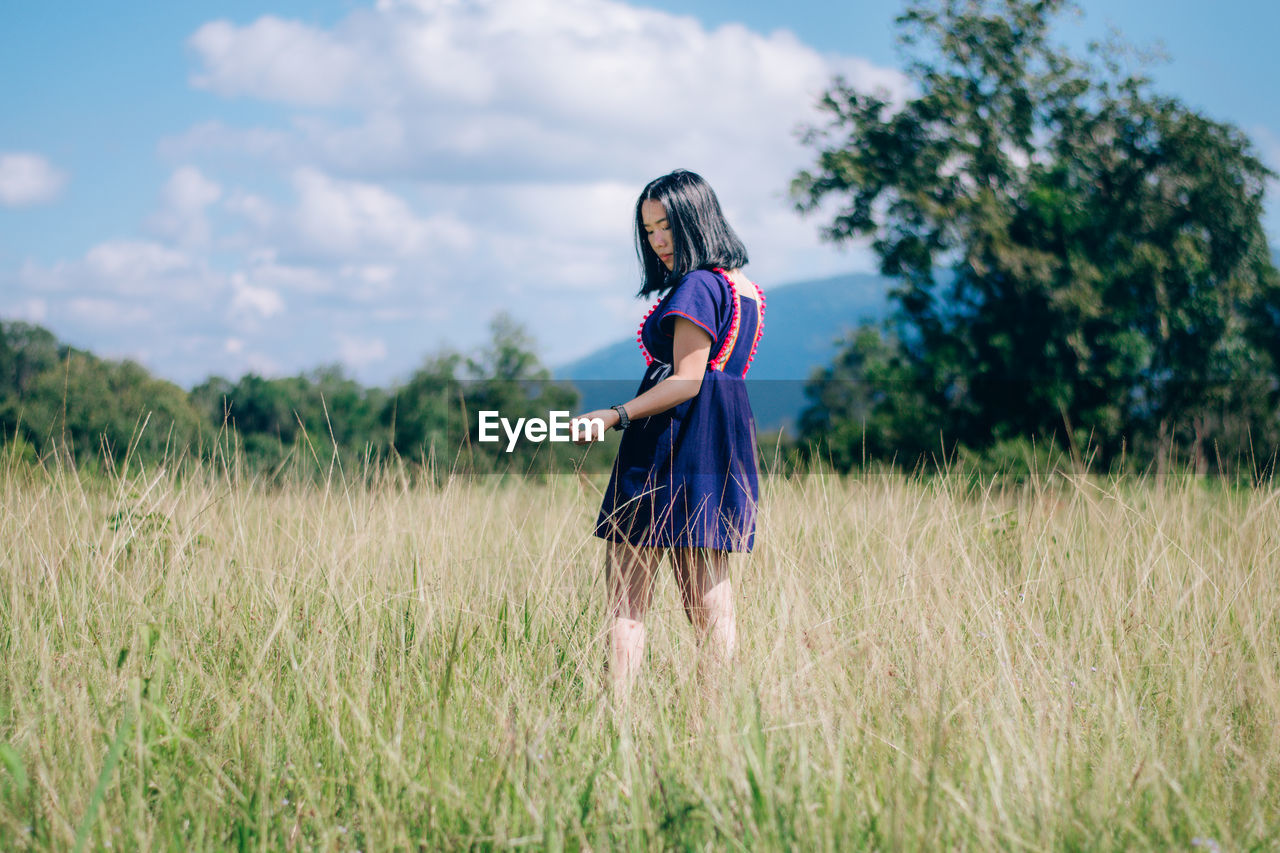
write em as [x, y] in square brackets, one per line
[688, 477]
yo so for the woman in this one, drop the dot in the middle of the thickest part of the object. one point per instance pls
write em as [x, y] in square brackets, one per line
[685, 482]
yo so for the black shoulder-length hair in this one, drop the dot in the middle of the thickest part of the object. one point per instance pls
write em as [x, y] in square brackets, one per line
[702, 238]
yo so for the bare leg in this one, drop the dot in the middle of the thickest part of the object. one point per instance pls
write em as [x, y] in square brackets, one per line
[703, 577]
[629, 573]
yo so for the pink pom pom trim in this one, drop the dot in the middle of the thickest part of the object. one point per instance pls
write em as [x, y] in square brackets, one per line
[726, 349]
[648, 359]
[759, 327]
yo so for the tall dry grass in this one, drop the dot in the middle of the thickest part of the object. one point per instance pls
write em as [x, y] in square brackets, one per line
[194, 660]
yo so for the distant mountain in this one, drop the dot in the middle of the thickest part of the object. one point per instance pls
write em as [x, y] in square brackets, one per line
[803, 324]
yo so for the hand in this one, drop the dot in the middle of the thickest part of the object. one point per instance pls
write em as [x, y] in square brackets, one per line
[586, 434]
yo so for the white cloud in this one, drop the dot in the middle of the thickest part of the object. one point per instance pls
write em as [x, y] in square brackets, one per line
[374, 275]
[134, 266]
[185, 321]
[117, 313]
[276, 60]
[183, 202]
[133, 269]
[564, 88]
[348, 217]
[361, 224]
[121, 291]
[28, 179]
[359, 352]
[31, 310]
[254, 301]
[546, 237]
[257, 211]
[370, 282]
[266, 270]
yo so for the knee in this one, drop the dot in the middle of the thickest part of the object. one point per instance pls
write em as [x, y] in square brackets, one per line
[711, 609]
[717, 602]
[625, 631]
[625, 624]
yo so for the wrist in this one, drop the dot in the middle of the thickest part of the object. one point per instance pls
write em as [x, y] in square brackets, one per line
[620, 419]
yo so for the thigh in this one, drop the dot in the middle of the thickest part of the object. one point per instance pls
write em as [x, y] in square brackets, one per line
[629, 572]
[698, 570]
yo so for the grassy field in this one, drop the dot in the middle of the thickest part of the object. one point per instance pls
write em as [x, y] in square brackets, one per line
[202, 662]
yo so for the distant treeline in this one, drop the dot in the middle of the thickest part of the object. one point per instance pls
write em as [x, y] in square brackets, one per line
[56, 399]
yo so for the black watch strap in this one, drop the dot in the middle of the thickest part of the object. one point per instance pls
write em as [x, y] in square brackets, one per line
[623, 420]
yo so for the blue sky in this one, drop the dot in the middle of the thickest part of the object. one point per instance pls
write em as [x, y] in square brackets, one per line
[271, 185]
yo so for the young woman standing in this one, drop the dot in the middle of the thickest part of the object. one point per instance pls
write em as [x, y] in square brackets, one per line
[686, 481]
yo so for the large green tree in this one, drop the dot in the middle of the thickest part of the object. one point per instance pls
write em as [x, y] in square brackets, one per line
[1071, 249]
[56, 397]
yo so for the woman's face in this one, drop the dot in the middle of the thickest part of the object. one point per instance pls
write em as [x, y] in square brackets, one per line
[654, 217]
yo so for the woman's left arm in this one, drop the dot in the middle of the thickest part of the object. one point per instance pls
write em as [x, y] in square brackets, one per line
[691, 351]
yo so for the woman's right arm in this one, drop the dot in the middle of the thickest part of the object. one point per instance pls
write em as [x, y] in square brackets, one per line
[691, 350]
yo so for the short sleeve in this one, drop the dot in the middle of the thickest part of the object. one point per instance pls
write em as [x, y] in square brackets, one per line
[700, 299]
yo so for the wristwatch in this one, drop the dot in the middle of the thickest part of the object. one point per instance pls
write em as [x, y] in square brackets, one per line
[623, 420]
